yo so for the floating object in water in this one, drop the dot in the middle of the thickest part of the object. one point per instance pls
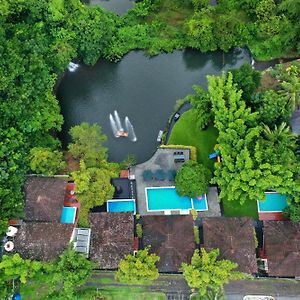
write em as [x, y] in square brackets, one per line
[72, 67]
[159, 137]
[117, 128]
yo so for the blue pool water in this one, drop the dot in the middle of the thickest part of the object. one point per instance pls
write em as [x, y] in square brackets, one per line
[121, 205]
[68, 215]
[166, 198]
[274, 202]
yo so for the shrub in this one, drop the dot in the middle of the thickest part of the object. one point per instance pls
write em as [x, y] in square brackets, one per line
[139, 230]
[196, 235]
[194, 213]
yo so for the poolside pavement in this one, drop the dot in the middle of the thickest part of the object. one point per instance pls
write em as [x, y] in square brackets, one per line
[163, 159]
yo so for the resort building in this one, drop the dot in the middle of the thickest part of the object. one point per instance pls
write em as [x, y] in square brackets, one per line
[282, 248]
[42, 241]
[44, 198]
[235, 238]
[111, 238]
[48, 226]
[171, 238]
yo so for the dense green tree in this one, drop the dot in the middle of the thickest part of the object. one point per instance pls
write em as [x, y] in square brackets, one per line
[192, 179]
[273, 108]
[67, 273]
[46, 161]
[200, 30]
[207, 273]
[14, 268]
[253, 159]
[93, 187]
[88, 144]
[293, 211]
[247, 79]
[201, 106]
[139, 268]
[38, 40]
[290, 85]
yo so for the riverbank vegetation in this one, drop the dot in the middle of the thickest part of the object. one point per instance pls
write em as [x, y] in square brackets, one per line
[270, 29]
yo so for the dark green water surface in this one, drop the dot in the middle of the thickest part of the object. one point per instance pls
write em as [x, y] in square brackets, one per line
[144, 89]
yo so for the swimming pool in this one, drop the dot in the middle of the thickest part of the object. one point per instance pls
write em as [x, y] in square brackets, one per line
[166, 199]
[274, 202]
[68, 215]
[121, 205]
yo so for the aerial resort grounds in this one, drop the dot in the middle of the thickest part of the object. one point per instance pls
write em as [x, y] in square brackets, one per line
[125, 177]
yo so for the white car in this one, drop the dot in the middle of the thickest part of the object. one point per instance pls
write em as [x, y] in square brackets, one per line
[258, 297]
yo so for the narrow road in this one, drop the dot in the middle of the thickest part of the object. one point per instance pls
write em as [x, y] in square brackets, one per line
[175, 287]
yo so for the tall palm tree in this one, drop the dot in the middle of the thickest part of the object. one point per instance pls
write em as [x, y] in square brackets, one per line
[278, 134]
[291, 90]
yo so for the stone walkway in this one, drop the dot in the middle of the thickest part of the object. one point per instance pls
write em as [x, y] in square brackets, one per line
[295, 122]
[162, 159]
[213, 202]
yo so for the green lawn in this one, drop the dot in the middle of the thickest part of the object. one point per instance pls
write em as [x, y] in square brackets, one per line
[185, 132]
[233, 209]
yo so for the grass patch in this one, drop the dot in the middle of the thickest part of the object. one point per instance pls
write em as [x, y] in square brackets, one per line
[172, 13]
[185, 132]
[119, 293]
[234, 209]
[36, 288]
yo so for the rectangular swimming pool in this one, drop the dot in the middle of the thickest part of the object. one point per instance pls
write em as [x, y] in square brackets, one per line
[274, 202]
[166, 199]
[121, 205]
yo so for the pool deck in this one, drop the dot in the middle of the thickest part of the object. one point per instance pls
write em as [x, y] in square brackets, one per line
[163, 159]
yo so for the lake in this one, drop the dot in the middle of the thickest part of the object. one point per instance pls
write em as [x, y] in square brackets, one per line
[142, 88]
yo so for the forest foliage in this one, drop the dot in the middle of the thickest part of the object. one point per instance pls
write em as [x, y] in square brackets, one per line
[40, 38]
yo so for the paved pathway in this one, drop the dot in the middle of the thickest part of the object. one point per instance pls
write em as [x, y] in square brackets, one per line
[295, 121]
[175, 287]
[185, 107]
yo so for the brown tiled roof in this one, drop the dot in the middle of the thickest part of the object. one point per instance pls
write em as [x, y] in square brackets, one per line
[171, 238]
[235, 239]
[282, 248]
[44, 198]
[111, 238]
[42, 241]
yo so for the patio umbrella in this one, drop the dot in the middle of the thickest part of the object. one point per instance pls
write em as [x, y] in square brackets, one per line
[160, 174]
[171, 174]
[147, 175]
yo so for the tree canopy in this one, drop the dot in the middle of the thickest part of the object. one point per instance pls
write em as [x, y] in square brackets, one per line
[69, 271]
[192, 179]
[251, 162]
[139, 268]
[88, 144]
[13, 267]
[46, 161]
[207, 273]
[93, 187]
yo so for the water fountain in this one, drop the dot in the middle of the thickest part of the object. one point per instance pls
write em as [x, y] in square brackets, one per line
[72, 67]
[118, 121]
[117, 128]
[113, 125]
[130, 130]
